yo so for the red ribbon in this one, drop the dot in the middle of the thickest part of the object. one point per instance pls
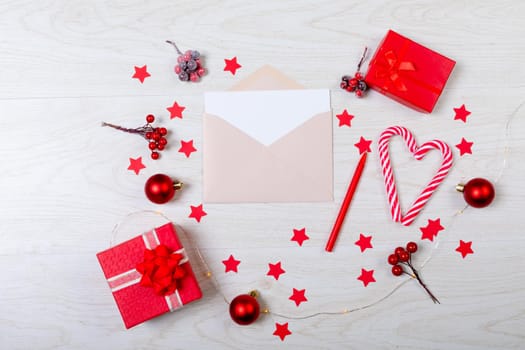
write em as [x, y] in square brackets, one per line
[161, 270]
[391, 70]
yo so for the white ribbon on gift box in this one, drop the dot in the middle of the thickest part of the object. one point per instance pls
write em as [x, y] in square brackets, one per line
[131, 277]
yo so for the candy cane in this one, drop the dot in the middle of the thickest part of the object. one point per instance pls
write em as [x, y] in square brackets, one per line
[418, 153]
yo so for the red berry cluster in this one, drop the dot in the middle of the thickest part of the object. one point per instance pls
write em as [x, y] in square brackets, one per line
[356, 84]
[155, 136]
[403, 256]
[189, 65]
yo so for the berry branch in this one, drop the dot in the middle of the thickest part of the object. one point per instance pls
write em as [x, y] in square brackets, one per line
[140, 130]
[434, 299]
[404, 257]
[155, 136]
[189, 65]
[356, 84]
[175, 46]
[362, 59]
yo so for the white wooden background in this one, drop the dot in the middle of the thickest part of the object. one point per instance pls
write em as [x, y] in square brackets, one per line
[66, 65]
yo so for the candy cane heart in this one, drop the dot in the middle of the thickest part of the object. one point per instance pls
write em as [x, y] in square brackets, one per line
[419, 153]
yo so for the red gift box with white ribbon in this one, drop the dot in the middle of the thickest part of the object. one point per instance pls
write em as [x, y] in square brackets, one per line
[408, 72]
[149, 275]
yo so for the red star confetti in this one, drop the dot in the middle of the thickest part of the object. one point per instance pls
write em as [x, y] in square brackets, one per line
[464, 147]
[299, 236]
[431, 230]
[231, 65]
[176, 110]
[344, 118]
[275, 270]
[465, 248]
[363, 145]
[298, 296]
[231, 264]
[461, 113]
[187, 148]
[141, 73]
[136, 165]
[367, 276]
[281, 330]
[197, 212]
[364, 242]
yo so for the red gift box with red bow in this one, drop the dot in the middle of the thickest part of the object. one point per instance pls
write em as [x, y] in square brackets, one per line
[149, 275]
[408, 72]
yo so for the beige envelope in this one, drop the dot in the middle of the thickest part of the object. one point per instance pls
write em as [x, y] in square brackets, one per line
[295, 167]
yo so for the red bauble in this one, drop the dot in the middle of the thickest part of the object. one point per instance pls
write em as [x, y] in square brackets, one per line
[160, 188]
[478, 192]
[244, 309]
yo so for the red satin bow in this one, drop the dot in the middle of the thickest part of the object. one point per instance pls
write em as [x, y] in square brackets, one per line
[160, 270]
[392, 69]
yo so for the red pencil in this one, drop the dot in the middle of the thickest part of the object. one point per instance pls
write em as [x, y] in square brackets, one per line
[346, 203]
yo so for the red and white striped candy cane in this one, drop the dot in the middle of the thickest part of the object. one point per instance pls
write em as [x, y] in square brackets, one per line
[418, 153]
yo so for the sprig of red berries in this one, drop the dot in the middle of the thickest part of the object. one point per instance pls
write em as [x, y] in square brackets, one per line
[189, 65]
[403, 257]
[156, 136]
[356, 84]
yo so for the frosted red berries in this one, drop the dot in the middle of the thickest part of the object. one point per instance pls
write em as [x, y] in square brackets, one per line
[356, 84]
[189, 65]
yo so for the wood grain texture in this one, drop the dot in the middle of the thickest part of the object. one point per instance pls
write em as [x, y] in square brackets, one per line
[65, 66]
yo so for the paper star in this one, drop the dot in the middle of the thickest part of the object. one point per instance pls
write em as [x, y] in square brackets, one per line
[432, 229]
[187, 148]
[367, 276]
[275, 270]
[299, 236]
[464, 248]
[344, 118]
[464, 147]
[461, 113]
[363, 145]
[231, 65]
[281, 330]
[141, 73]
[136, 165]
[298, 296]
[197, 212]
[364, 242]
[176, 110]
[231, 264]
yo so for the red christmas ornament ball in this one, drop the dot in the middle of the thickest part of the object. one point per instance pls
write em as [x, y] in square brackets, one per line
[244, 309]
[159, 188]
[478, 192]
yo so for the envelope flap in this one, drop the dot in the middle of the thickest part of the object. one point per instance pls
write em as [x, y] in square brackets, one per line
[266, 78]
[267, 115]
